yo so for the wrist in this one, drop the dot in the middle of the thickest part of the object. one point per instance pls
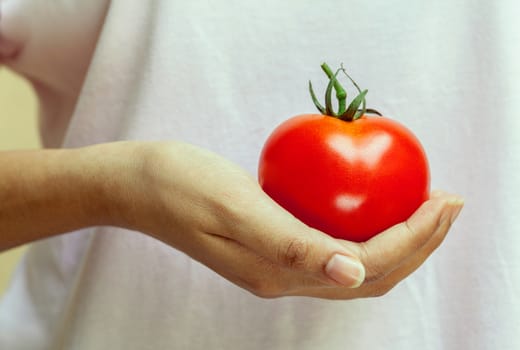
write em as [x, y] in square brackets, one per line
[142, 186]
[109, 173]
[53, 191]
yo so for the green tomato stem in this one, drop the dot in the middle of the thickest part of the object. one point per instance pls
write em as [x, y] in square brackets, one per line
[350, 113]
[341, 93]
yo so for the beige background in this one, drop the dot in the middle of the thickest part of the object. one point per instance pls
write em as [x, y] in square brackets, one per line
[18, 129]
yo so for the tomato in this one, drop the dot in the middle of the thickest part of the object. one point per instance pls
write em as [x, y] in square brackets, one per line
[350, 179]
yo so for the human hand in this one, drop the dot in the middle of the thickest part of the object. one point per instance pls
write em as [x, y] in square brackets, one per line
[216, 213]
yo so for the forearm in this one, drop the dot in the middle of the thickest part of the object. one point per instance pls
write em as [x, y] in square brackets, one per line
[49, 192]
[212, 210]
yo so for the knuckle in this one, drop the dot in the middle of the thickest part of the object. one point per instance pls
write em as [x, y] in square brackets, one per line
[375, 270]
[415, 240]
[295, 253]
[374, 273]
[231, 208]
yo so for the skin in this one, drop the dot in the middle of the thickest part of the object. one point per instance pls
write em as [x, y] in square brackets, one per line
[212, 210]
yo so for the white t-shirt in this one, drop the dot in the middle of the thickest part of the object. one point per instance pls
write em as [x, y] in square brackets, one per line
[222, 75]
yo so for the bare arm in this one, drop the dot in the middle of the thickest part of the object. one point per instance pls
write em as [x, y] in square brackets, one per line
[48, 192]
[212, 210]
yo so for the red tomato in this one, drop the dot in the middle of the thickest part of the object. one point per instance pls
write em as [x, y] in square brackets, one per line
[350, 179]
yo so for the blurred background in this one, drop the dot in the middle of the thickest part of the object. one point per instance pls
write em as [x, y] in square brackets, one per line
[18, 129]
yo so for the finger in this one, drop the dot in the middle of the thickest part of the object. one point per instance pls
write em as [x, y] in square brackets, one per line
[408, 266]
[387, 251]
[263, 278]
[414, 262]
[247, 269]
[411, 264]
[273, 233]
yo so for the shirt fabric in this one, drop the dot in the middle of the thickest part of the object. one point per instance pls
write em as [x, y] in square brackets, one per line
[222, 75]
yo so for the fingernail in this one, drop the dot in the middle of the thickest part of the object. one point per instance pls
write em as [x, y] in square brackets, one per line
[346, 270]
[458, 204]
[455, 200]
[437, 194]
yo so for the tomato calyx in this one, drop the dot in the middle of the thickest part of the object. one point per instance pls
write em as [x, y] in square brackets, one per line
[350, 113]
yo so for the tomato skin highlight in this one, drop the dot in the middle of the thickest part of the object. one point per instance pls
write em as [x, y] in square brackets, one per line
[349, 179]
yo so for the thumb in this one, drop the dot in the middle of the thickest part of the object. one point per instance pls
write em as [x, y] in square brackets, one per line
[276, 235]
